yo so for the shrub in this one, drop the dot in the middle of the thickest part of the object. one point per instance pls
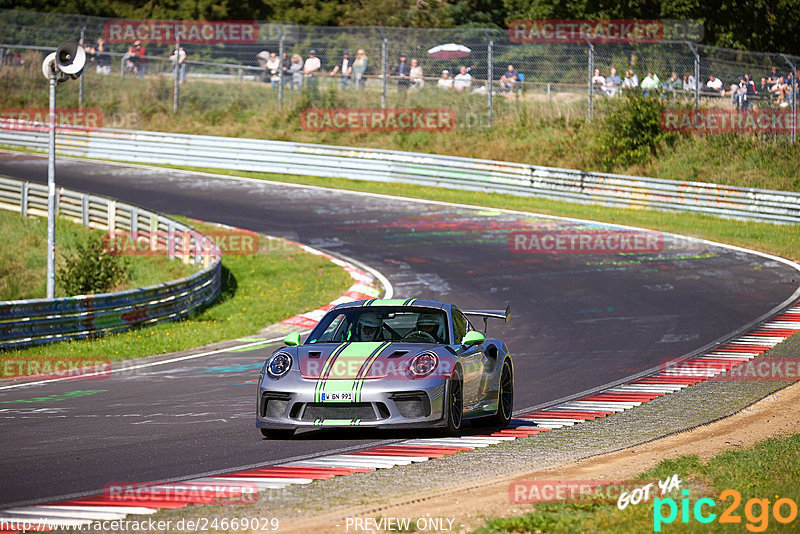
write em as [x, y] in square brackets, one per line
[92, 269]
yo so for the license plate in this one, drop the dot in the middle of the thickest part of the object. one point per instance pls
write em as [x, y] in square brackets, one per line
[338, 396]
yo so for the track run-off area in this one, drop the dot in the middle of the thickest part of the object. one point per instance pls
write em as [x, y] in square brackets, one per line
[580, 319]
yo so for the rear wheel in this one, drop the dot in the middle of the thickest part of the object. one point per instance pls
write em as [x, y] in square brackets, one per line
[277, 433]
[455, 404]
[505, 398]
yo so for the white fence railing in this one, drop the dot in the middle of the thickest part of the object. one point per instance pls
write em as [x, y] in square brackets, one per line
[412, 168]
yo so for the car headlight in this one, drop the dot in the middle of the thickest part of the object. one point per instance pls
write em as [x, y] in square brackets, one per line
[423, 365]
[279, 364]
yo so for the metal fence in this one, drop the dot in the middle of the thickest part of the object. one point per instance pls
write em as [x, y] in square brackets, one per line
[417, 168]
[553, 72]
[36, 321]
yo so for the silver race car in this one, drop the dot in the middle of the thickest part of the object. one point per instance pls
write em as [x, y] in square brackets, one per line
[388, 363]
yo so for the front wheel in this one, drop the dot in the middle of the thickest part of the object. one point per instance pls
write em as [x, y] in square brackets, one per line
[455, 404]
[277, 433]
[505, 398]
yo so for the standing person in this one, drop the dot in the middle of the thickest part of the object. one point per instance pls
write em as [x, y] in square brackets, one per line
[102, 58]
[403, 72]
[463, 79]
[345, 67]
[296, 72]
[310, 70]
[415, 74]
[178, 58]
[137, 57]
[612, 82]
[273, 67]
[286, 64]
[360, 69]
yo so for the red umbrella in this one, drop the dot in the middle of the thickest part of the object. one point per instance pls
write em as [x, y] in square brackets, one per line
[449, 51]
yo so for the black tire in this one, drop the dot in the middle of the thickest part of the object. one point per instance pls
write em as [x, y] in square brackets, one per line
[505, 398]
[277, 433]
[454, 405]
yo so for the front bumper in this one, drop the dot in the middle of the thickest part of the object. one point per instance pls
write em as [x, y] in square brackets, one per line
[290, 403]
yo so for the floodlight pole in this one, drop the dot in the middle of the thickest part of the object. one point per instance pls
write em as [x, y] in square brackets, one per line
[51, 191]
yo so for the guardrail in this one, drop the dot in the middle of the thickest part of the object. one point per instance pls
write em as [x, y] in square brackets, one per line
[36, 321]
[412, 168]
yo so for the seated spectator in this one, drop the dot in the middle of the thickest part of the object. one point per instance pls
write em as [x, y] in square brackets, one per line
[463, 79]
[445, 82]
[273, 67]
[714, 85]
[689, 83]
[764, 88]
[674, 83]
[612, 83]
[780, 91]
[650, 83]
[738, 96]
[508, 79]
[360, 69]
[415, 75]
[631, 81]
[773, 77]
[598, 81]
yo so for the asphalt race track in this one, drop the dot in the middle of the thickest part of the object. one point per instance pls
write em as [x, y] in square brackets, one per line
[579, 321]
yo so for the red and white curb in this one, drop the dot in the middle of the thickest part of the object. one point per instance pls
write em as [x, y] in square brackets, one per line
[83, 511]
[365, 287]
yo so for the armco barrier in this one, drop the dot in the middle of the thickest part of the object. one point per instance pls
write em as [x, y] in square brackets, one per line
[35, 321]
[413, 168]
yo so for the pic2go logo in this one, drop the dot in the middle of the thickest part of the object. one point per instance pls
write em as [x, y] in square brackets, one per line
[756, 511]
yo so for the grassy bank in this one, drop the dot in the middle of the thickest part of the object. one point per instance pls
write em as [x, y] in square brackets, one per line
[527, 128]
[257, 290]
[761, 475]
[23, 258]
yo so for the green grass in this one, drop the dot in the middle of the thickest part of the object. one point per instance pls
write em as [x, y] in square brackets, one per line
[769, 470]
[23, 258]
[258, 290]
[781, 240]
[527, 129]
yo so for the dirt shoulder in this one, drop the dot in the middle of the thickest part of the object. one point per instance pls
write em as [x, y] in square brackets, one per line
[467, 505]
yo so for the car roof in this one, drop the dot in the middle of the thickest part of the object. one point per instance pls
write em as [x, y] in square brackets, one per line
[415, 303]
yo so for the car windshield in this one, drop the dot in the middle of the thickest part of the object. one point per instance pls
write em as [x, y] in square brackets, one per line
[382, 323]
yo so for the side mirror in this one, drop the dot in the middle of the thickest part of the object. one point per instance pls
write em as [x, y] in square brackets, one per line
[473, 337]
[293, 339]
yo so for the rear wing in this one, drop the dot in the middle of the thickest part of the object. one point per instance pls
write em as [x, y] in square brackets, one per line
[505, 315]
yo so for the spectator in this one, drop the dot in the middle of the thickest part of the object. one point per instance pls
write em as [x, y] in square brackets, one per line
[463, 79]
[346, 68]
[598, 81]
[764, 89]
[310, 70]
[773, 77]
[714, 85]
[415, 74]
[650, 83]
[402, 71]
[296, 72]
[360, 69]
[445, 82]
[273, 68]
[739, 96]
[508, 79]
[780, 90]
[674, 83]
[631, 81]
[137, 57]
[612, 83]
[689, 83]
[178, 58]
[286, 65]
[99, 56]
[791, 83]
